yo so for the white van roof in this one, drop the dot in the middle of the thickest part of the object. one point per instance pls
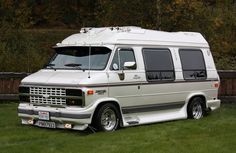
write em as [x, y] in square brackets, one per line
[133, 36]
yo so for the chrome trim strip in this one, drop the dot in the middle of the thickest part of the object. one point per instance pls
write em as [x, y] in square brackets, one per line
[56, 114]
[24, 111]
[52, 96]
[145, 83]
[51, 105]
[152, 107]
[117, 84]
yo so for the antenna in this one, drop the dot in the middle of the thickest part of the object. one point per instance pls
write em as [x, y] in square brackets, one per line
[89, 61]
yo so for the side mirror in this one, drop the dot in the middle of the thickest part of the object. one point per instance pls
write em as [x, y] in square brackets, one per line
[129, 65]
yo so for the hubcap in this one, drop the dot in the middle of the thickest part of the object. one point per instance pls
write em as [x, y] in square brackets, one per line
[197, 111]
[108, 119]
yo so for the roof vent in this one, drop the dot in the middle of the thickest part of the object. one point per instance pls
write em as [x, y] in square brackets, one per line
[125, 28]
[85, 29]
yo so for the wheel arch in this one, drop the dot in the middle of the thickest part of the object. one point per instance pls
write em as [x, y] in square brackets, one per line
[102, 102]
[201, 95]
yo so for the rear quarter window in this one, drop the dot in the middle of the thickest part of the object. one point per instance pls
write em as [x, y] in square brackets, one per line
[193, 64]
[158, 64]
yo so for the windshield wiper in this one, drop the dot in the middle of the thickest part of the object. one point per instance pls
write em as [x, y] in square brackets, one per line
[74, 65]
[50, 66]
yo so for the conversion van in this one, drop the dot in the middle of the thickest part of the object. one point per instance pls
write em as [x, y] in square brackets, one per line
[121, 76]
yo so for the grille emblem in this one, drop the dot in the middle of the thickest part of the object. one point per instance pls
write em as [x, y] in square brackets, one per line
[45, 96]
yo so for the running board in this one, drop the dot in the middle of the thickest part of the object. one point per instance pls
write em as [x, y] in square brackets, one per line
[153, 117]
[132, 120]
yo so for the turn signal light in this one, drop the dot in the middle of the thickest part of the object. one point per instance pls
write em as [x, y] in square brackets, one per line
[90, 92]
[216, 85]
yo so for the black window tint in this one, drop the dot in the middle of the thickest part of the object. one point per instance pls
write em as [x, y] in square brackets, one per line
[79, 58]
[158, 60]
[193, 64]
[121, 56]
[126, 56]
[158, 64]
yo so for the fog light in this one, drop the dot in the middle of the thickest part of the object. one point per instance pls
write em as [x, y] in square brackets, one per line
[68, 126]
[31, 121]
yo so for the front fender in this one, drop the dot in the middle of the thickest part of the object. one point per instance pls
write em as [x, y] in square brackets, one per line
[105, 100]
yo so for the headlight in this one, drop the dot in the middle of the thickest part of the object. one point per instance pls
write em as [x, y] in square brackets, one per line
[74, 97]
[24, 98]
[74, 102]
[73, 92]
[24, 94]
[24, 89]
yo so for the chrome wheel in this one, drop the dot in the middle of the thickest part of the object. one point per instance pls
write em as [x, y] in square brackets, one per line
[197, 111]
[108, 119]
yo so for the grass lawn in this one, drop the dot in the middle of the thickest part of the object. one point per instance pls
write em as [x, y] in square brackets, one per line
[215, 133]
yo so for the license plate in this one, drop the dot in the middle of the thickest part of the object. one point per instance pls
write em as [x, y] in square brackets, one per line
[46, 124]
[44, 116]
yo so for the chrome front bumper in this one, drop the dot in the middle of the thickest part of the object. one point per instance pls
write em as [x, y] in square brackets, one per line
[79, 118]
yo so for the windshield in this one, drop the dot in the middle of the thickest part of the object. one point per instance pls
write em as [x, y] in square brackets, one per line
[78, 58]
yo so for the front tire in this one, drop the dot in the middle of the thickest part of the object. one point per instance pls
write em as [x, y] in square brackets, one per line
[195, 108]
[107, 118]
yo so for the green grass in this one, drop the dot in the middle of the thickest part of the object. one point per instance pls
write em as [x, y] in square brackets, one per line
[215, 133]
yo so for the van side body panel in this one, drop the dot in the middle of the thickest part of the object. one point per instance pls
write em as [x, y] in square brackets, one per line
[168, 100]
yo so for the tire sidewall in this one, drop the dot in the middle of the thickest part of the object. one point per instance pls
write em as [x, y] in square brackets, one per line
[194, 101]
[99, 115]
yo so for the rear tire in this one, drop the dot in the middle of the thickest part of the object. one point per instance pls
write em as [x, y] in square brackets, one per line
[195, 108]
[107, 118]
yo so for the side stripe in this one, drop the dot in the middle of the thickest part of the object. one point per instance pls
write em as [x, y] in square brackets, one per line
[152, 107]
[143, 83]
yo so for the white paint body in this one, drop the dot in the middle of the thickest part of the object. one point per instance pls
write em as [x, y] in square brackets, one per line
[120, 91]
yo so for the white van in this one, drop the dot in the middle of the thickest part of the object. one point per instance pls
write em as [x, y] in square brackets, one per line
[121, 76]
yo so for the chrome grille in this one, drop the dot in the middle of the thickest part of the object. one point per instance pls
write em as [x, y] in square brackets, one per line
[47, 96]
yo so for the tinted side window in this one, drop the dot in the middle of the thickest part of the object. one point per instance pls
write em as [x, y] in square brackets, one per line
[121, 56]
[193, 64]
[158, 64]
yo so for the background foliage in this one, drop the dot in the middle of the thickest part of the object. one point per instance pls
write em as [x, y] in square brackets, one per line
[29, 28]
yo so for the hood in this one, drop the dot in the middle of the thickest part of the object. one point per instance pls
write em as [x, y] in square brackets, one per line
[65, 78]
